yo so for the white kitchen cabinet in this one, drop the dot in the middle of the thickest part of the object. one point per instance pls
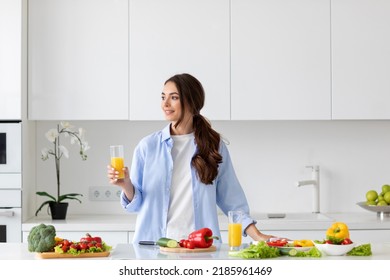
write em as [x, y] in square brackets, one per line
[111, 238]
[78, 59]
[280, 60]
[177, 36]
[10, 59]
[360, 59]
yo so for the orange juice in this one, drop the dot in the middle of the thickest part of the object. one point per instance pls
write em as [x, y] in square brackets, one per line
[118, 164]
[234, 234]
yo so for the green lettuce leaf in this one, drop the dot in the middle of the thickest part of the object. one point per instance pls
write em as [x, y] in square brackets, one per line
[361, 250]
[256, 251]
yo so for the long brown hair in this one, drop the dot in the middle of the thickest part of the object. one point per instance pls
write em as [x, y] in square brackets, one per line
[207, 157]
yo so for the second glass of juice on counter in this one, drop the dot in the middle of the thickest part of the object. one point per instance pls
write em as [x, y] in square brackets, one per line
[117, 159]
[235, 229]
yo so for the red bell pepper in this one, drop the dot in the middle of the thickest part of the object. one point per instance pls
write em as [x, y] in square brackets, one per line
[202, 238]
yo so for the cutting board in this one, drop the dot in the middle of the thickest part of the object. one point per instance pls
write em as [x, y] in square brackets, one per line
[52, 255]
[212, 248]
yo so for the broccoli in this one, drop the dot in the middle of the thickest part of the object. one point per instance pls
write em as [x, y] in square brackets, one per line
[42, 238]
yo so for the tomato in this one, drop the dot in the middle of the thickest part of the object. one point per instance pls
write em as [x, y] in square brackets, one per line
[83, 245]
[190, 245]
[346, 241]
[65, 248]
[328, 241]
[181, 243]
[75, 246]
[277, 243]
[89, 238]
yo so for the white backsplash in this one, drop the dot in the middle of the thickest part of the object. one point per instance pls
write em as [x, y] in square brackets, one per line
[269, 157]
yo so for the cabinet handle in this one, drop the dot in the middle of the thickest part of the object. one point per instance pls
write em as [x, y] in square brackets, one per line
[7, 214]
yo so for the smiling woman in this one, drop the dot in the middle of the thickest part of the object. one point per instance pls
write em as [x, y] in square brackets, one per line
[182, 172]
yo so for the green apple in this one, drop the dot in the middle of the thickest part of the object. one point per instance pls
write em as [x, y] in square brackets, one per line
[385, 189]
[381, 203]
[371, 195]
[386, 197]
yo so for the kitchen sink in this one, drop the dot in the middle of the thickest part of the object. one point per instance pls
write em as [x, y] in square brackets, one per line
[294, 217]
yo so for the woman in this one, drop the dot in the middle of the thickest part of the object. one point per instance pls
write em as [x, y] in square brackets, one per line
[179, 175]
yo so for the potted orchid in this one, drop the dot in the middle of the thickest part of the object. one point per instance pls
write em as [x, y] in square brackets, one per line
[58, 208]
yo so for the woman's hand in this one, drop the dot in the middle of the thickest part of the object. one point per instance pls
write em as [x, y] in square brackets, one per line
[125, 184]
[112, 176]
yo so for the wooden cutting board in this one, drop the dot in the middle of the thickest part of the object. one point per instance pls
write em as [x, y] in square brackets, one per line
[212, 248]
[52, 255]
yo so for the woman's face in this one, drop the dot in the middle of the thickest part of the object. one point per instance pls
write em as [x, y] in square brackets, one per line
[170, 102]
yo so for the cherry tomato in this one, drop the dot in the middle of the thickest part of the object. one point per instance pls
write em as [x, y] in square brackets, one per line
[75, 246]
[277, 243]
[65, 248]
[190, 245]
[346, 241]
[328, 242]
[181, 243]
[89, 238]
[83, 245]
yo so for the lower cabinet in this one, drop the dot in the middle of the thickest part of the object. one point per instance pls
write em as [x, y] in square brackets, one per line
[111, 238]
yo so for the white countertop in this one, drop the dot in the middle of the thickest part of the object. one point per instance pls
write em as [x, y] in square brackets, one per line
[19, 251]
[355, 221]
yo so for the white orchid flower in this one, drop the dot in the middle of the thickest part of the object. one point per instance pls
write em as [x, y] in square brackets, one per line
[64, 151]
[66, 125]
[51, 135]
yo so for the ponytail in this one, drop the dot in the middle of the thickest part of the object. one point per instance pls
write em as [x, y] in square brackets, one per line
[207, 157]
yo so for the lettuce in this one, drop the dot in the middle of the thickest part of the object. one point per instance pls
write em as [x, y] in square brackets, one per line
[256, 251]
[361, 250]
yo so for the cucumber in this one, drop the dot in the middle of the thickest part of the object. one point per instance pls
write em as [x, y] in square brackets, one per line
[167, 242]
[293, 252]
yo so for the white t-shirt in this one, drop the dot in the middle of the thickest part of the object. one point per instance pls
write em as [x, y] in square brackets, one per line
[181, 211]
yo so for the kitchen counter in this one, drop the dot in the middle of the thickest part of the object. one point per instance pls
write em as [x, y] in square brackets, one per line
[19, 251]
[355, 221]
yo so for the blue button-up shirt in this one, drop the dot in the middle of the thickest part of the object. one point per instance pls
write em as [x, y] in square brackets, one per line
[151, 175]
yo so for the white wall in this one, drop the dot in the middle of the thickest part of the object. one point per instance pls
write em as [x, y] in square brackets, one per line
[269, 157]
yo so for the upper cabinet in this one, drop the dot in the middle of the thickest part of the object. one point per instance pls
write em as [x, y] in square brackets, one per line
[10, 59]
[170, 37]
[360, 59]
[78, 59]
[280, 60]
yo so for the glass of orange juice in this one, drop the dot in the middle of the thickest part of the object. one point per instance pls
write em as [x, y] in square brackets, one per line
[117, 160]
[235, 229]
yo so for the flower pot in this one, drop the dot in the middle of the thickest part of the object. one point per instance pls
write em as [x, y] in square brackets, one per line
[58, 210]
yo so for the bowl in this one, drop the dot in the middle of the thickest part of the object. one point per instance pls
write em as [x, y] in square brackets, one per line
[333, 249]
[374, 208]
[381, 211]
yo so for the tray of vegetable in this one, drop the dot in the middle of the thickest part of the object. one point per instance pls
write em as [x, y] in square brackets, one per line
[43, 241]
[197, 242]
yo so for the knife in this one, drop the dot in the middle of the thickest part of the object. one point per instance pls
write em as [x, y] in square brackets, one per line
[147, 243]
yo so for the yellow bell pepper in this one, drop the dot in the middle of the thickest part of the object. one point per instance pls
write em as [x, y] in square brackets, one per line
[337, 232]
[303, 243]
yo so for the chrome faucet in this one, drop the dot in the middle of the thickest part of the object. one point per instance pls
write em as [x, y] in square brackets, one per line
[315, 182]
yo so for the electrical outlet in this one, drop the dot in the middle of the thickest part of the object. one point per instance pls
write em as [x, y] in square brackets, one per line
[101, 193]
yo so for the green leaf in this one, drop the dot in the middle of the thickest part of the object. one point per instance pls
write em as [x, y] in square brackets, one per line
[361, 250]
[40, 207]
[46, 194]
[69, 196]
